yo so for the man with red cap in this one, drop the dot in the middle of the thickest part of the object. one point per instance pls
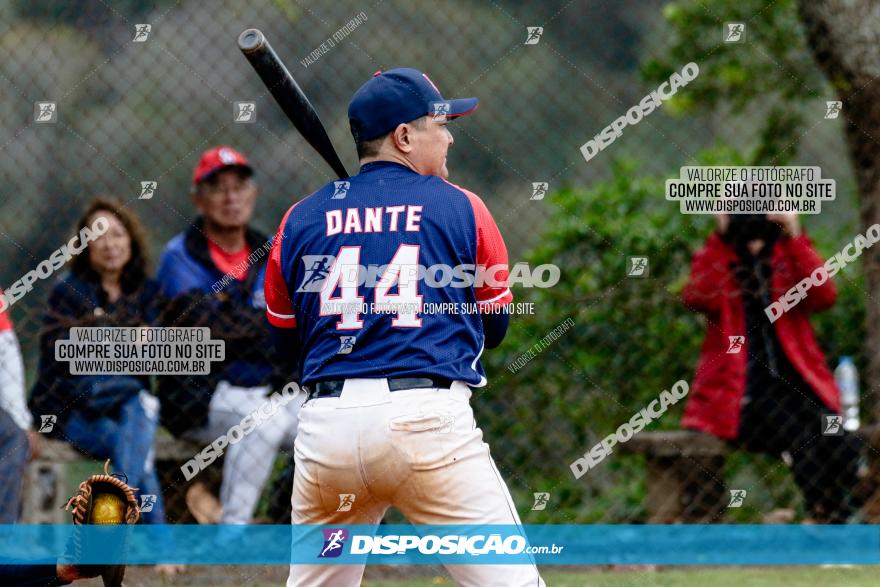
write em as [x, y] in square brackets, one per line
[213, 274]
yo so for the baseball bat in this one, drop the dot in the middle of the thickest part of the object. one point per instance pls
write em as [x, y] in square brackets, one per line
[289, 95]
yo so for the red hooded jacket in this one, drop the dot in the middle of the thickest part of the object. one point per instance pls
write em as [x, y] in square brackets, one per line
[720, 380]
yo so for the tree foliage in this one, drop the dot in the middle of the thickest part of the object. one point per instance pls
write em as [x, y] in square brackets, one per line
[632, 338]
[770, 75]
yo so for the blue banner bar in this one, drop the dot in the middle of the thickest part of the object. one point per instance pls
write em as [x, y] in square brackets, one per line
[715, 544]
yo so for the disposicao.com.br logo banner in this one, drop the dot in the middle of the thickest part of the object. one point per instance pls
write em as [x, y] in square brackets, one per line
[703, 544]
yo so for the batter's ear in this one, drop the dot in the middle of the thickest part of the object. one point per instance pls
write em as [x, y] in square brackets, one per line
[402, 137]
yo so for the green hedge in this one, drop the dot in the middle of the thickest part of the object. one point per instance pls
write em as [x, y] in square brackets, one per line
[631, 339]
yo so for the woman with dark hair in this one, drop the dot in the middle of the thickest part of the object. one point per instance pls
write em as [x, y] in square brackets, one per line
[104, 416]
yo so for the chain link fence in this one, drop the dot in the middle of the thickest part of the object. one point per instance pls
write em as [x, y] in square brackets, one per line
[121, 99]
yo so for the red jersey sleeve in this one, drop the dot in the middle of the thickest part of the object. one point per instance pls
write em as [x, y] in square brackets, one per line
[491, 258]
[279, 309]
[5, 322]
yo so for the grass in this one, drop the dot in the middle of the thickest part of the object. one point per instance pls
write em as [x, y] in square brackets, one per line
[732, 577]
[864, 576]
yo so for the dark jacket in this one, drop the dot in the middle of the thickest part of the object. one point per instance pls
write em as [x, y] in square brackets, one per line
[81, 301]
[715, 399]
[234, 310]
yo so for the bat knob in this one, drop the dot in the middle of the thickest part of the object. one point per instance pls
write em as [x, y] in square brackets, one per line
[251, 40]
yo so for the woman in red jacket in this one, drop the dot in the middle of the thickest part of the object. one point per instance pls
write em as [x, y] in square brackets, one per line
[765, 385]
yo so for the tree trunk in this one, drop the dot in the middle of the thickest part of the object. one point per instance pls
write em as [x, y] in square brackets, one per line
[844, 37]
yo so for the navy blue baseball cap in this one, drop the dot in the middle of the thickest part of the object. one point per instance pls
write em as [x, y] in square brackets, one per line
[396, 96]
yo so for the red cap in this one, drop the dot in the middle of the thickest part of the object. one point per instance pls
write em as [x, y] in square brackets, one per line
[217, 158]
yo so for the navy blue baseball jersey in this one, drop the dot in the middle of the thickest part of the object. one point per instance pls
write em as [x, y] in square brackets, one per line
[385, 274]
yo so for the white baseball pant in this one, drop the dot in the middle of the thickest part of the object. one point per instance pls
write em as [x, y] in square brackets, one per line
[418, 450]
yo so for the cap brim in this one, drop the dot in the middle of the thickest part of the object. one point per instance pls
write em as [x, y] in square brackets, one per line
[461, 106]
[247, 170]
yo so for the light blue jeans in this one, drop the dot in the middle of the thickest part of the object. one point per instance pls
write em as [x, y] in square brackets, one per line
[128, 440]
[14, 452]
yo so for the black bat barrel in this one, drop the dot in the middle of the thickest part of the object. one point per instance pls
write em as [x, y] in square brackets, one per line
[289, 95]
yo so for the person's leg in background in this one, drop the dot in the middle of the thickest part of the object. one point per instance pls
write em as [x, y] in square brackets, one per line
[250, 459]
[14, 452]
[128, 441]
[765, 424]
[92, 436]
[279, 493]
[279, 509]
[136, 451]
[825, 468]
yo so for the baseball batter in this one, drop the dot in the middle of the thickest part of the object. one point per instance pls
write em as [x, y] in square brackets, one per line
[388, 421]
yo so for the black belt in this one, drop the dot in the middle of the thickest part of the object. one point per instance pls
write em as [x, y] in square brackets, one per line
[333, 388]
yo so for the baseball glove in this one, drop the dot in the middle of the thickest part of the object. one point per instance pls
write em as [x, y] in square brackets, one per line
[103, 499]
